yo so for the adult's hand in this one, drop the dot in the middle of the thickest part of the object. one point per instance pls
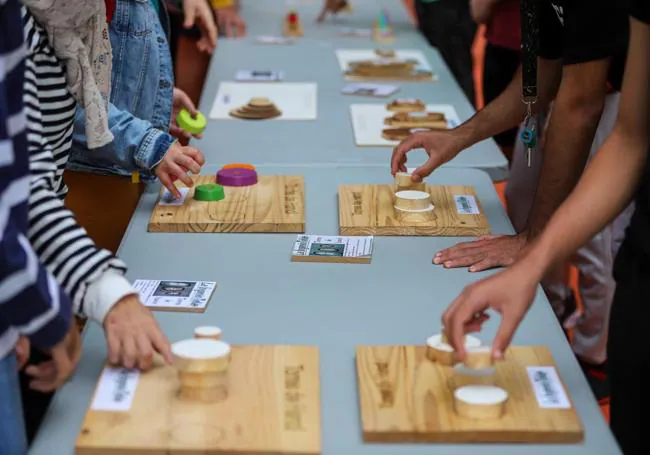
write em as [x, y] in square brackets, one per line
[52, 374]
[199, 13]
[484, 253]
[231, 22]
[509, 293]
[133, 335]
[441, 146]
[331, 7]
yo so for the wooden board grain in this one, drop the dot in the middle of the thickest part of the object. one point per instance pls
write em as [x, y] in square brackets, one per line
[404, 397]
[369, 210]
[273, 407]
[274, 204]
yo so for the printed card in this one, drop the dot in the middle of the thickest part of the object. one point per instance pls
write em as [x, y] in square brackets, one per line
[372, 90]
[170, 295]
[319, 248]
[259, 76]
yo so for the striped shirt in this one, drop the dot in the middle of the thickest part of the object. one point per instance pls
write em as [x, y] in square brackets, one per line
[31, 301]
[93, 277]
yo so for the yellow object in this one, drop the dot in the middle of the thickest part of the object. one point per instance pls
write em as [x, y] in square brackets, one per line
[135, 177]
[216, 4]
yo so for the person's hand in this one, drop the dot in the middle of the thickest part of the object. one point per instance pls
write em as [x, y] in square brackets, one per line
[133, 335]
[52, 374]
[181, 100]
[481, 10]
[199, 12]
[230, 21]
[441, 146]
[484, 253]
[331, 7]
[509, 293]
[22, 351]
[175, 164]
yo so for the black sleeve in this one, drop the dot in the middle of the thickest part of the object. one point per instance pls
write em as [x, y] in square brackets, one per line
[551, 32]
[594, 30]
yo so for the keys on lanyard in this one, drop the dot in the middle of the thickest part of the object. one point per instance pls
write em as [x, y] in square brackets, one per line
[528, 134]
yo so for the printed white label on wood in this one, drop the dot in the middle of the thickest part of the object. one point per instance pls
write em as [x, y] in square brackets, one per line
[115, 389]
[175, 294]
[548, 388]
[333, 246]
[466, 204]
[168, 198]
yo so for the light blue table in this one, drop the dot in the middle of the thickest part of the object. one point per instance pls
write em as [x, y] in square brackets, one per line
[264, 298]
[330, 139]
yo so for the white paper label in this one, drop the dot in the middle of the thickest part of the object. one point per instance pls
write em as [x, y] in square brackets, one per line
[259, 76]
[175, 294]
[168, 198]
[273, 40]
[333, 246]
[378, 90]
[466, 204]
[548, 388]
[115, 389]
[362, 32]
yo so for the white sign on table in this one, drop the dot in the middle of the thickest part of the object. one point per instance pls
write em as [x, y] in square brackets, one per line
[175, 295]
[347, 56]
[368, 122]
[297, 101]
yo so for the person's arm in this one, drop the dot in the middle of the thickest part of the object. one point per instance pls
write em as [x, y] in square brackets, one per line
[605, 189]
[137, 146]
[481, 10]
[569, 136]
[614, 173]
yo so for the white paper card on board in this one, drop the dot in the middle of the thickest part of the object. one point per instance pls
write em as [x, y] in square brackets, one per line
[466, 204]
[347, 56]
[179, 294]
[274, 40]
[373, 90]
[297, 101]
[115, 389]
[356, 32]
[548, 388]
[333, 246]
[168, 198]
[259, 76]
[368, 122]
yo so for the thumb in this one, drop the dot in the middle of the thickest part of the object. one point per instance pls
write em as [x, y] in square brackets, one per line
[190, 16]
[503, 338]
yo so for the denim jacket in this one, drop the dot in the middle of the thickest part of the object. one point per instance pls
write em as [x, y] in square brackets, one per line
[141, 95]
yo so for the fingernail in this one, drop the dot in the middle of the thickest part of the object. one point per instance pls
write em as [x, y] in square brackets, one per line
[498, 354]
[436, 260]
[472, 269]
[447, 264]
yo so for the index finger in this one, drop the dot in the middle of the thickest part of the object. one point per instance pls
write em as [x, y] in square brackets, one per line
[195, 154]
[161, 344]
[190, 15]
[400, 152]
[466, 307]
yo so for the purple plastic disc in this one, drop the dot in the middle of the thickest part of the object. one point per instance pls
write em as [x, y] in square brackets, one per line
[236, 177]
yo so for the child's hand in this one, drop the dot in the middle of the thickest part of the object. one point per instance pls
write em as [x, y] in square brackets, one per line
[181, 100]
[22, 351]
[332, 7]
[175, 164]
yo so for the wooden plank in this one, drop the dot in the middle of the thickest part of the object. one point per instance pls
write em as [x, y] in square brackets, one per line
[274, 204]
[369, 210]
[404, 397]
[273, 407]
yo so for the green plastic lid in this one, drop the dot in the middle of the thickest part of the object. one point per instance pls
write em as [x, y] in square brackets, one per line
[189, 124]
[209, 192]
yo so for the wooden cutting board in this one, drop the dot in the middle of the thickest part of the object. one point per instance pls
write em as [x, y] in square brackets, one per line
[369, 210]
[274, 204]
[273, 407]
[404, 397]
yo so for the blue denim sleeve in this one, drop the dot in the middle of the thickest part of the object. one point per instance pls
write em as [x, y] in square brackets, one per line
[137, 145]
